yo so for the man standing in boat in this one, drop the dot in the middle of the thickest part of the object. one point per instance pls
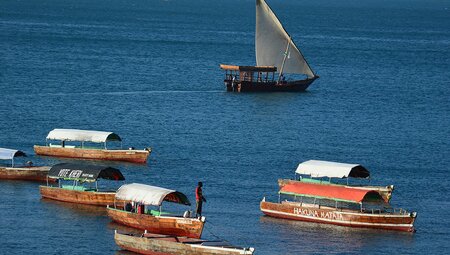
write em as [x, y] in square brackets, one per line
[199, 198]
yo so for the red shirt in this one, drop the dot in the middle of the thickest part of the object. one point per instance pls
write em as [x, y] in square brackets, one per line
[198, 193]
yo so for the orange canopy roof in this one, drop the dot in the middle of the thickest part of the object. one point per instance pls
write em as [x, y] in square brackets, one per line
[333, 192]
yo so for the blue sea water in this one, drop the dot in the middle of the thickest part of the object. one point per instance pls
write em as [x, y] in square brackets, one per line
[149, 70]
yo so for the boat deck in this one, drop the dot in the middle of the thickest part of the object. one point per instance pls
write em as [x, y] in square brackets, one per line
[188, 240]
[393, 211]
[27, 168]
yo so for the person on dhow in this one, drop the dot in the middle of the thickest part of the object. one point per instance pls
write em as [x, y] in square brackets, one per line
[199, 198]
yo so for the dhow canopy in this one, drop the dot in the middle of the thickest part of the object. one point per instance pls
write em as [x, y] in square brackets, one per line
[249, 68]
[318, 168]
[332, 192]
[10, 154]
[82, 135]
[84, 172]
[150, 195]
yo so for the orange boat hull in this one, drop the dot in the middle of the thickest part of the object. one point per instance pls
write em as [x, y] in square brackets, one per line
[178, 226]
[327, 215]
[134, 156]
[75, 196]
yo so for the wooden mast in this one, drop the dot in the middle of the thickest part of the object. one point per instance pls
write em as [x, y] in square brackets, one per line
[284, 59]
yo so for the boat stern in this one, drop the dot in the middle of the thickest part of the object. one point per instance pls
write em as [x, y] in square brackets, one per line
[413, 215]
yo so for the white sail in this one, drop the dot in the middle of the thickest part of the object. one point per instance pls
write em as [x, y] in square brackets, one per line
[272, 41]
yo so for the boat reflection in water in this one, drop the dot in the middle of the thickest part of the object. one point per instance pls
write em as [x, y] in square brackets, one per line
[327, 237]
[80, 209]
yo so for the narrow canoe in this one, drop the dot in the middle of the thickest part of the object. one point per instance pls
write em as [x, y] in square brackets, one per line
[170, 225]
[155, 244]
[134, 156]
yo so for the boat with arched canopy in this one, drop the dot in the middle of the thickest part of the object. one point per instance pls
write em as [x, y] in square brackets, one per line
[26, 172]
[84, 151]
[78, 183]
[338, 205]
[141, 216]
[335, 173]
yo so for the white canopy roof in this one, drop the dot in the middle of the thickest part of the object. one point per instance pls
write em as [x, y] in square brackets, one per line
[82, 135]
[318, 168]
[149, 195]
[10, 154]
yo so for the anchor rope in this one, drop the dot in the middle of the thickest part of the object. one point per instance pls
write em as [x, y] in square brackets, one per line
[210, 232]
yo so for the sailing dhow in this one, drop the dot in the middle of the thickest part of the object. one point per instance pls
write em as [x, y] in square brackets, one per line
[276, 52]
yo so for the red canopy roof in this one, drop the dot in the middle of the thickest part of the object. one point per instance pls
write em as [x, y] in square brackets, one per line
[333, 192]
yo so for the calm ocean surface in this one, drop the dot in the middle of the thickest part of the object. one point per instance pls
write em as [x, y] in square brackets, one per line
[149, 70]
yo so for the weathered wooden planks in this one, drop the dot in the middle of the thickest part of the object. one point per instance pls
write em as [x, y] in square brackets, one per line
[76, 196]
[179, 226]
[307, 212]
[170, 245]
[134, 156]
[25, 173]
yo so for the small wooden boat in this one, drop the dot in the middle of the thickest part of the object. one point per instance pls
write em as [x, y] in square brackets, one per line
[79, 192]
[82, 151]
[275, 51]
[149, 243]
[338, 205]
[26, 173]
[155, 221]
[315, 171]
